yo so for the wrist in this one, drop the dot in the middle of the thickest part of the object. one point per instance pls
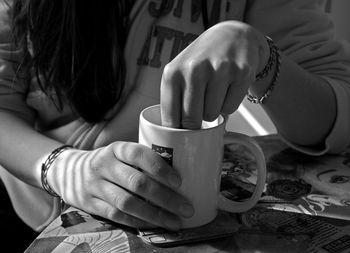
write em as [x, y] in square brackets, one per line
[266, 79]
[261, 82]
[260, 86]
[48, 166]
[264, 52]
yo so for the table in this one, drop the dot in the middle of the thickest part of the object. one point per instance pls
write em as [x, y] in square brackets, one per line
[296, 213]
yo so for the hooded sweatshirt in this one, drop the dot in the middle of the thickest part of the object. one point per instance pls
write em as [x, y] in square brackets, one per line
[300, 28]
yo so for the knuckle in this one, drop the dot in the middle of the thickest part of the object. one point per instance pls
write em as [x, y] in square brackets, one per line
[124, 203]
[92, 180]
[169, 72]
[189, 64]
[119, 216]
[241, 72]
[136, 154]
[246, 71]
[223, 66]
[198, 71]
[112, 214]
[193, 64]
[95, 158]
[155, 214]
[156, 167]
[156, 191]
[137, 183]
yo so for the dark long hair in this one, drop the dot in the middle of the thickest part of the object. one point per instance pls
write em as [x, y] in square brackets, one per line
[77, 49]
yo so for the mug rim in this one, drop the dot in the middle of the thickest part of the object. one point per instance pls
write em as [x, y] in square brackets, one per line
[221, 123]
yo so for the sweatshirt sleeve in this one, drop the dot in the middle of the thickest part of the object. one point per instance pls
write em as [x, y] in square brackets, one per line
[12, 80]
[305, 33]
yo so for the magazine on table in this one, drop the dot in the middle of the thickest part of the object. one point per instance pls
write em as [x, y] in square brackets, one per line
[257, 230]
[312, 185]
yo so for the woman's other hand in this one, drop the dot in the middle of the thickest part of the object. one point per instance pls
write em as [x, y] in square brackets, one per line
[212, 75]
[125, 182]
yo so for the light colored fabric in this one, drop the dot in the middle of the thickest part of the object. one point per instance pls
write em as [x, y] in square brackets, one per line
[298, 27]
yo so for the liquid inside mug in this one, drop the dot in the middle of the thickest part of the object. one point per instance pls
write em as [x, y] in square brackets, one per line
[197, 155]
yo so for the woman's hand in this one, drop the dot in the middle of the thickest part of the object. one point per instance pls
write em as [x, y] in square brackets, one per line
[212, 75]
[106, 182]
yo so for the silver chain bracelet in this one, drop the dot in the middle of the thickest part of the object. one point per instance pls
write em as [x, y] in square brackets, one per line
[274, 58]
[45, 167]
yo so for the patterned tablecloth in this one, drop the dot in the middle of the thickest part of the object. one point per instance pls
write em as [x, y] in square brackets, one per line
[304, 208]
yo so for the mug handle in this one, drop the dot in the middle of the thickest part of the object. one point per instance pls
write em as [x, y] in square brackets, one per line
[237, 207]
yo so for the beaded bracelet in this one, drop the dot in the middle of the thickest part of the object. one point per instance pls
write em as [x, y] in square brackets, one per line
[274, 57]
[45, 167]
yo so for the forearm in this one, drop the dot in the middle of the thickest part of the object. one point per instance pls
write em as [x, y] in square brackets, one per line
[302, 105]
[22, 149]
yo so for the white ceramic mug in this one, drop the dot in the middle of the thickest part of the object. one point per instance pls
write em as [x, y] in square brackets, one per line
[197, 156]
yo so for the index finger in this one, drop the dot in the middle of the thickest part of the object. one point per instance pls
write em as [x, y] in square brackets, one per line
[171, 98]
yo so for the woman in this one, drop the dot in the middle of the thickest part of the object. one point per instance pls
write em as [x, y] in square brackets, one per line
[80, 73]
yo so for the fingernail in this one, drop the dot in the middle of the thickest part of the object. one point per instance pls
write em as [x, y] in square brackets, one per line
[172, 224]
[174, 180]
[186, 210]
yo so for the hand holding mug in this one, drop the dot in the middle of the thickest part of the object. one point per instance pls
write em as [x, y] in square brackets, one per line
[124, 182]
